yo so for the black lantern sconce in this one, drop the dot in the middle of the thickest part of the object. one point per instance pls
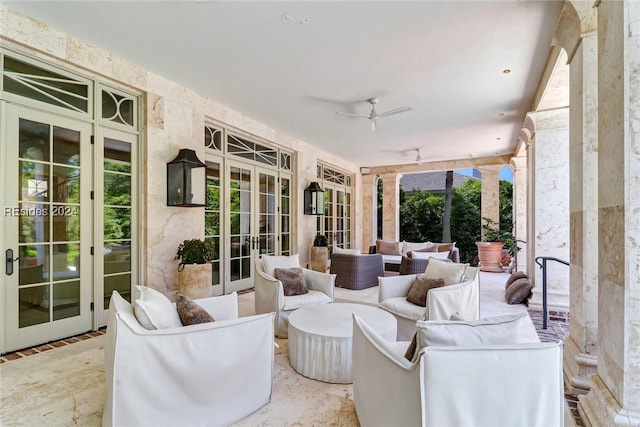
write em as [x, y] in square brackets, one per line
[186, 180]
[314, 199]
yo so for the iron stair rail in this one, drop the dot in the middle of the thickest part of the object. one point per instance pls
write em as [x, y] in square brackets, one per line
[543, 266]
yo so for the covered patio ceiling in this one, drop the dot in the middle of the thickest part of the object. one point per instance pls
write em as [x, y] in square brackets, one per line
[469, 69]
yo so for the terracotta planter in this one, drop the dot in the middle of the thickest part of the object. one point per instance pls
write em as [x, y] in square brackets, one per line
[319, 257]
[194, 281]
[490, 255]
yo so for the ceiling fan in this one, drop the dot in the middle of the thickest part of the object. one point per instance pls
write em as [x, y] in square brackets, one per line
[373, 115]
[419, 158]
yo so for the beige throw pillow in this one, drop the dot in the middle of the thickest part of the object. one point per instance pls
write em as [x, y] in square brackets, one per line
[450, 272]
[385, 247]
[421, 286]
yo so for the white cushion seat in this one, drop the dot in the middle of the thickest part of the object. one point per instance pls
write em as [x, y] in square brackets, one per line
[312, 297]
[398, 306]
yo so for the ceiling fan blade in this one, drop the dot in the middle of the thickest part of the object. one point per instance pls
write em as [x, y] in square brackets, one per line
[396, 111]
[352, 115]
[374, 124]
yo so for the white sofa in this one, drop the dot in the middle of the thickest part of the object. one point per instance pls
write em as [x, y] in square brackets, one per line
[461, 298]
[501, 385]
[269, 295]
[210, 374]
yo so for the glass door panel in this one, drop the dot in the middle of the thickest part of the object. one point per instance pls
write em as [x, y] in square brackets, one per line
[47, 221]
[212, 224]
[240, 181]
[267, 213]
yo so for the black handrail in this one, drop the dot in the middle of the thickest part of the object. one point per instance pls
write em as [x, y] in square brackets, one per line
[543, 266]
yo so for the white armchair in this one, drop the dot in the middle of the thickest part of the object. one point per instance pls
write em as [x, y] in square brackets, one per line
[501, 385]
[463, 298]
[269, 295]
[206, 374]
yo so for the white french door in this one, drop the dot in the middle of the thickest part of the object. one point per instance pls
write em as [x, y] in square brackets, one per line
[47, 175]
[252, 198]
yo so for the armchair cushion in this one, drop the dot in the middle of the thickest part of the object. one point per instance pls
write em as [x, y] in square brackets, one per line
[190, 312]
[312, 297]
[153, 310]
[421, 285]
[272, 262]
[339, 250]
[428, 255]
[489, 331]
[292, 281]
[400, 307]
[450, 272]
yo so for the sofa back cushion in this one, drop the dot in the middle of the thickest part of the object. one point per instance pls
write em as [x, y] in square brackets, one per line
[386, 247]
[415, 246]
[271, 262]
[451, 272]
[154, 310]
[339, 250]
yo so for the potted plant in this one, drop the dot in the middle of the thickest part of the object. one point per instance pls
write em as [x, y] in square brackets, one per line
[194, 269]
[319, 253]
[490, 248]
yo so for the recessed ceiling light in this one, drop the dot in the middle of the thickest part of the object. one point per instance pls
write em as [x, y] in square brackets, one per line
[506, 71]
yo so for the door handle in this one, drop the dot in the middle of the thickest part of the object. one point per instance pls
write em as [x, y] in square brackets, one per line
[9, 261]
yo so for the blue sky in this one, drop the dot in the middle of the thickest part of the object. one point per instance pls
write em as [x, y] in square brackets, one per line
[505, 173]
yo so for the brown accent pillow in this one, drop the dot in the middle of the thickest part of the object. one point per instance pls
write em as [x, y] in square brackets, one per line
[411, 350]
[292, 280]
[190, 312]
[445, 247]
[515, 276]
[421, 285]
[385, 247]
[518, 291]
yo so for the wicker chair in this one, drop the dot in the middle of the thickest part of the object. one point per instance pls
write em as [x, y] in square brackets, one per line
[357, 271]
[413, 265]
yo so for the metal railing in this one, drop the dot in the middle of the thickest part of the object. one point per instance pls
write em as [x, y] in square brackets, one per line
[543, 266]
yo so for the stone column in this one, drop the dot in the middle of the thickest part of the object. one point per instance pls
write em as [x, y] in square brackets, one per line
[490, 196]
[519, 164]
[369, 211]
[391, 206]
[614, 398]
[580, 351]
[550, 234]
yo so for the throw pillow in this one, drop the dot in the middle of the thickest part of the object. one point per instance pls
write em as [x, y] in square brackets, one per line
[338, 250]
[154, 310]
[497, 330]
[451, 272]
[446, 247]
[292, 281]
[420, 287]
[271, 262]
[518, 291]
[411, 350]
[385, 247]
[515, 276]
[190, 312]
[413, 246]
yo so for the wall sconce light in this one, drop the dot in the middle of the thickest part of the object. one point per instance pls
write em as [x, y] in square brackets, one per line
[313, 199]
[186, 180]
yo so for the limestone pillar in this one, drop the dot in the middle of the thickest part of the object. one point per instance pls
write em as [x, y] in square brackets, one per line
[580, 351]
[391, 206]
[549, 235]
[490, 196]
[519, 164]
[369, 211]
[614, 398]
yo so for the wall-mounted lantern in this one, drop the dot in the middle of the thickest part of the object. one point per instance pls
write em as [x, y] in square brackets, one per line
[314, 199]
[186, 180]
